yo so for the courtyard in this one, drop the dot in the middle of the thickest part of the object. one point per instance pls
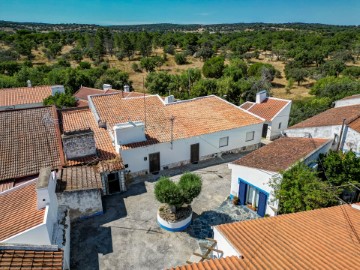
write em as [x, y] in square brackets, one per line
[127, 235]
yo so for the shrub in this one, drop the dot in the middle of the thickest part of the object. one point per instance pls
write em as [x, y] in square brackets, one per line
[180, 59]
[84, 65]
[135, 67]
[190, 185]
[213, 68]
[170, 49]
[60, 100]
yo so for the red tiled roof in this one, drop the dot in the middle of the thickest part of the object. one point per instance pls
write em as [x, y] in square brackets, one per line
[227, 263]
[24, 95]
[191, 118]
[82, 118]
[281, 154]
[331, 117]
[18, 210]
[266, 109]
[31, 259]
[84, 92]
[326, 238]
[355, 124]
[30, 140]
[79, 177]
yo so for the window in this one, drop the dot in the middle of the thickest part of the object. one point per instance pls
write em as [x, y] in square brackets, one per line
[224, 141]
[250, 136]
[279, 125]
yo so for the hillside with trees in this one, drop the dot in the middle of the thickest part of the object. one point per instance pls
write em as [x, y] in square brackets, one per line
[311, 64]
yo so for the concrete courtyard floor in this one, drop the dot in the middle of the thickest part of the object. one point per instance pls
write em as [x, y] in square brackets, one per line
[127, 235]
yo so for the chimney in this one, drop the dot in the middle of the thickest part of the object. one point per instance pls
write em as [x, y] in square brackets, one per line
[169, 99]
[126, 88]
[106, 86]
[261, 96]
[79, 143]
[44, 185]
[28, 83]
[57, 89]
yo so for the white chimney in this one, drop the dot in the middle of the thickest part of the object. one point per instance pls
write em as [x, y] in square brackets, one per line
[261, 96]
[106, 86]
[169, 99]
[131, 132]
[28, 83]
[57, 89]
[45, 187]
[126, 88]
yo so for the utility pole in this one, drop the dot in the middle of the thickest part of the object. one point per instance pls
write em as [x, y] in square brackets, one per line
[144, 103]
[172, 119]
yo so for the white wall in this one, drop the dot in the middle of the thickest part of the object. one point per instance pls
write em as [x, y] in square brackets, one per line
[257, 177]
[81, 203]
[327, 132]
[347, 102]
[180, 152]
[351, 141]
[283, 118]
[224, 245]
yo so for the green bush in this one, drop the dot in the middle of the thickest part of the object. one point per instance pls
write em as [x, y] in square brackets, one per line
[60, 100]
[180, 59]
[188, 188]
[190, 185]
[213, 68]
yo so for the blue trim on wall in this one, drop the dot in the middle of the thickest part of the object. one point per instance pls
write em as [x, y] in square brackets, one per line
[175, 230]
[246, 182]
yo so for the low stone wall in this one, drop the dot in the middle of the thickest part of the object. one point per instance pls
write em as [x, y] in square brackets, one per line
[81, 203]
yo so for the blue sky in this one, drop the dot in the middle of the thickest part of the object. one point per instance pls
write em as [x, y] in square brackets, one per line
[112, 12]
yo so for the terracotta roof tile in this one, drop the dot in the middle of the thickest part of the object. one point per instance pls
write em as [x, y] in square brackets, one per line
[18, 210]
[31, 259]
[84, 92]
[82, 118]
[331, 117]
[355, 124]
[326, 238]
[79, 177]
[227, 263]
[24, 95]
[30, 140]
[191, 118]
[280, 154]
[266, 109]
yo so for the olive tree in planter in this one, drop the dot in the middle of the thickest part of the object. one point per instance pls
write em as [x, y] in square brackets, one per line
[175, 214]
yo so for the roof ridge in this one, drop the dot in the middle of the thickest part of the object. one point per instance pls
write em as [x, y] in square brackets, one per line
[24, 184]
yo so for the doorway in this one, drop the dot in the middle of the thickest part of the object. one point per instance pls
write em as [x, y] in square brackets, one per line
[154, 163]
[264, 130]
[195, 153]
[113, 182]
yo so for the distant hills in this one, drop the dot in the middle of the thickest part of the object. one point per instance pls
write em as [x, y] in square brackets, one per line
[13, 26]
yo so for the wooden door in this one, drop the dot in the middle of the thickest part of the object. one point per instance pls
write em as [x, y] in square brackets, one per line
[195, 153]
[154, 162]
[265, 130]
[262, 204]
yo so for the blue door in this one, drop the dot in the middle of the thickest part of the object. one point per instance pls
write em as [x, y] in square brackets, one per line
[262, 204]
[242, 192]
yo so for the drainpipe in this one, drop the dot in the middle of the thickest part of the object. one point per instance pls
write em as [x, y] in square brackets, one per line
[341, 134]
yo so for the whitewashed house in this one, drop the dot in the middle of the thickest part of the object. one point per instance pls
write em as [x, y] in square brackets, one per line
[348, 101]
[342, 124]
[30, 215]
[275, 111]
[250, 175]
[151, 134]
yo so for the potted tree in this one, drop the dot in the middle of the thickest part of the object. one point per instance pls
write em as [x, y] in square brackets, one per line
[175, 213]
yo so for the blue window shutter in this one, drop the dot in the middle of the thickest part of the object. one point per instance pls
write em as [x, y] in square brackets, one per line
[262, 204]
[242, 192]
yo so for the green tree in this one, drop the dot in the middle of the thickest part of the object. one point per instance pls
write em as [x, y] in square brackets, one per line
[297, 74]
[190, 186]
[150, 63]
[127, 46]
[333, 68]
[158, 83]
[60, 100]
[300, 189]
[115, 77]
[144, 44]
[213, 68]
[261, 70]
[180, 59]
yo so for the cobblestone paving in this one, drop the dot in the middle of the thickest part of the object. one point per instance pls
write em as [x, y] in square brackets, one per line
[225, 213]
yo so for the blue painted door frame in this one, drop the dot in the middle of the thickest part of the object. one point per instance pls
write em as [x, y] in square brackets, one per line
[262, 204]
[243, 187]
[242, 192]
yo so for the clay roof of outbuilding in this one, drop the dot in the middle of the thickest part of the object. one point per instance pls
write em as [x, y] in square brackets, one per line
[18, 210]
[281, 154]
[82, 118]
[83, 93]
[24, 95]
[331, 117]
[191, 118]
[226, 263]
[326, 238]
[267, 109]
[27, 259]
[30, 139]
[355, 124]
